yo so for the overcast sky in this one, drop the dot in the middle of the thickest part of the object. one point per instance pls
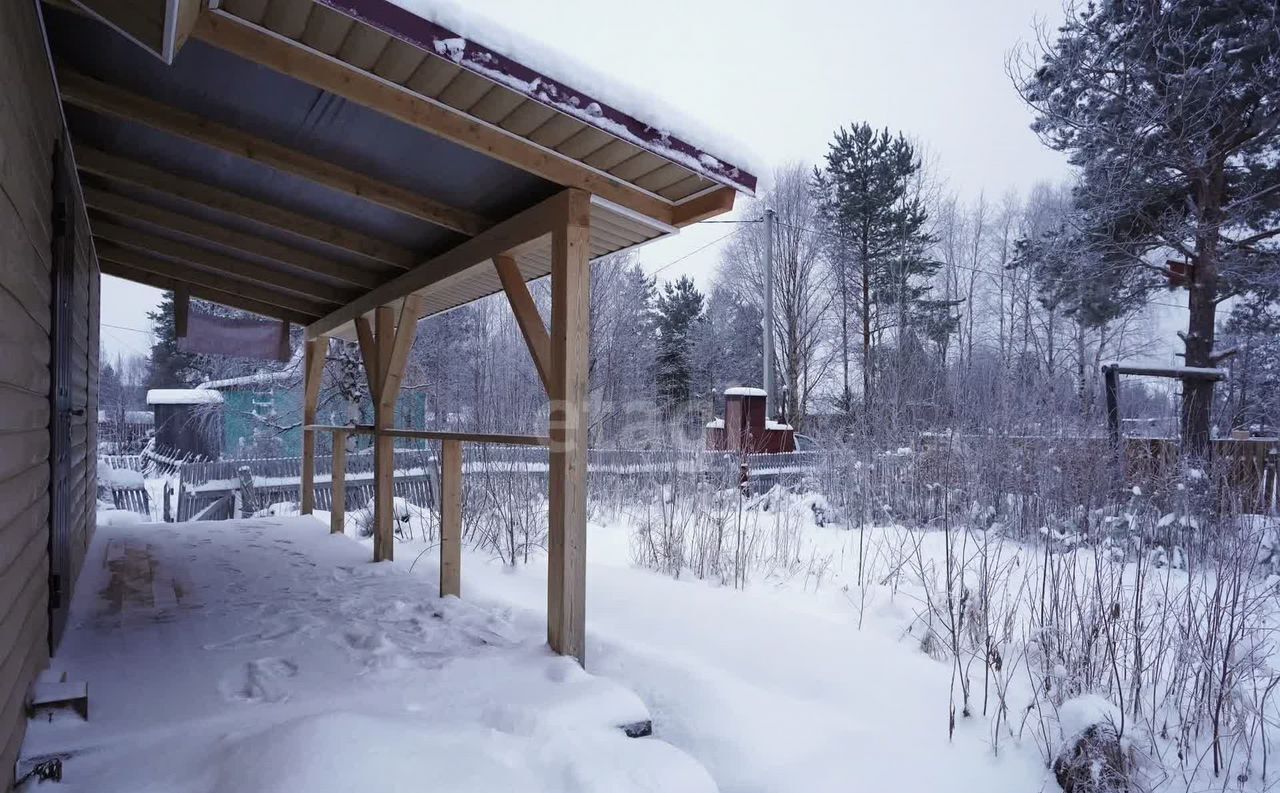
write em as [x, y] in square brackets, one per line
[782, 76]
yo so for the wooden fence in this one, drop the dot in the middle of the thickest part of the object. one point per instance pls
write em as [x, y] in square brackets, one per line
[911, 485]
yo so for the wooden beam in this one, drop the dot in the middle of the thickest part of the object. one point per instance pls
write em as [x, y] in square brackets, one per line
[406, 330]
[369, 355]
[231, 299]
[181, 311]
[115, 204]
[250, 272]
[451, 518]
[528, 319]
[140, 21]
[109, 166]
[517, 230]
[85, 92]
[498, 438]
[567, 480]
[338, 484]
[294, 59]
[196, 277]
[179, 23]
[312, 373]
[383, 445]
[707, 205]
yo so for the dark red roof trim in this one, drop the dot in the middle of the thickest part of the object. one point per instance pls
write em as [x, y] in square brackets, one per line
[427, 35]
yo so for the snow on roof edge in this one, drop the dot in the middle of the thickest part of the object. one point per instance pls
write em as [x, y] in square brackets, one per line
[745, 391]
[529, 68]
[183, 396]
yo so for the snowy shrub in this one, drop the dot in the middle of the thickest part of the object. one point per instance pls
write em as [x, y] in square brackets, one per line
[402, 512]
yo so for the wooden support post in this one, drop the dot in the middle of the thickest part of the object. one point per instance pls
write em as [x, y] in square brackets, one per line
[451, 518]
[394, 340]
[570, 279]
[338, 507]
[383, 448]
[312, 371]
[1111, 377]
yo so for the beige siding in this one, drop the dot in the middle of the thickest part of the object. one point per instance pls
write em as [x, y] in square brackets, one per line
[30, 124]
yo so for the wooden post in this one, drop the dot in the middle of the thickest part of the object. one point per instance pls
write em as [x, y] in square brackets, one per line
[1110, 378]
[383, 448]
[394, 340]
[312, 371]
[567, 574]
[338, 507]
[451, 518]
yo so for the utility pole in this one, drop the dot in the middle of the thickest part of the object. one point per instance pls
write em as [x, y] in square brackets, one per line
[770, 398]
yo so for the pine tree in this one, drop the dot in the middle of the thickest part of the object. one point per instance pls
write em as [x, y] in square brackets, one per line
[1170, 111]
[678, 311]
[729, 344]
[1252, 397]
[110, 389]
[168, 367]
[881, 244]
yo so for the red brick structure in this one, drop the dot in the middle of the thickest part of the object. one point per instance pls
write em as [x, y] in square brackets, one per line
[745, 427]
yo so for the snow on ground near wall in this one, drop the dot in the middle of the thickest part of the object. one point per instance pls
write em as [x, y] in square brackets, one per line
[267, 655]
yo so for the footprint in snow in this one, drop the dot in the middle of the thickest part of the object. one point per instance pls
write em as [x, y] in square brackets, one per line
[258, 681]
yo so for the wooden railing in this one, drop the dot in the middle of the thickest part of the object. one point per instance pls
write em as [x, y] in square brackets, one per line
[450, 483]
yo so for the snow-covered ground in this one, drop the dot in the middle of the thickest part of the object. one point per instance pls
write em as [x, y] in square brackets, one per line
[266, 655]
[251, 640]
[773, 688]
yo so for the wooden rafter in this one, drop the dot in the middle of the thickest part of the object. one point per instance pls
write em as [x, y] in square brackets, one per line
[114, 204]
[532, 328]
[100, 97]
[109, 166]
[251, 273]
[230, 299]
[503, 238]
[707, 205]
[197, 277]
[330, 74]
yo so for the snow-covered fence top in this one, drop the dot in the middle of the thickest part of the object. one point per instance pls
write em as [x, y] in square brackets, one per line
[360, 462]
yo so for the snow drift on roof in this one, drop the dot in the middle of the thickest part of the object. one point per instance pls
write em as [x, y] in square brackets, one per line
[183, 396]
[588, 94]
[257, 378]
[743, 391]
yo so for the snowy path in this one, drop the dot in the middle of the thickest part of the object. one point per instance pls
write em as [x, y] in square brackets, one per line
[266, 655]
[771, 690]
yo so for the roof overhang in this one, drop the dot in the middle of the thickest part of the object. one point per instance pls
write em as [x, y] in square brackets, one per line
[312, 159]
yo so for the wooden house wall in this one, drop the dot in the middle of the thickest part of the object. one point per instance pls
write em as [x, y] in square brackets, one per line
[30, 127]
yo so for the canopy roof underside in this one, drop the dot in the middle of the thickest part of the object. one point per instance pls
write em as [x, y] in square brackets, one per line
[292, 159]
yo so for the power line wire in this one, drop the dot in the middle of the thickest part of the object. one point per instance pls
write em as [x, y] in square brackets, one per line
[958, 266]
[122, 327]
[692, 252]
